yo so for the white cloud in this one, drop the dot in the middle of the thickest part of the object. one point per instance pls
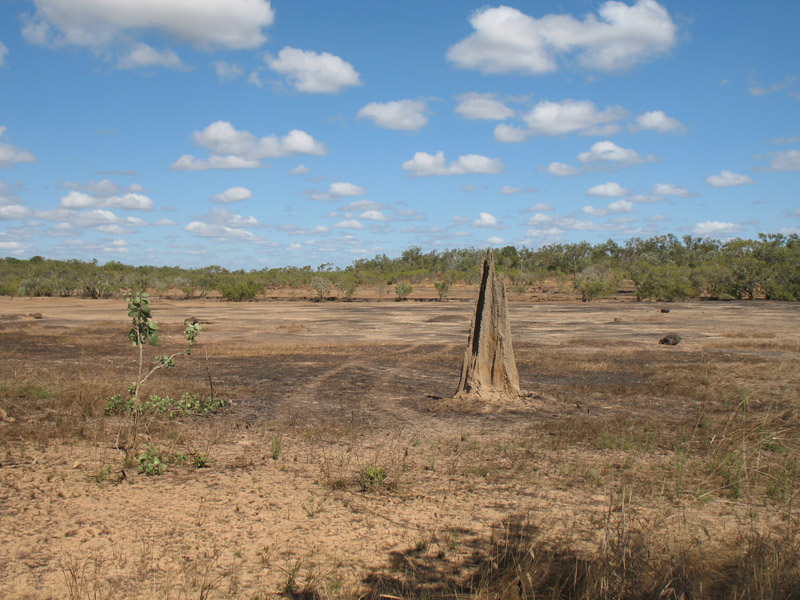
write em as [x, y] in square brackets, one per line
[339, 189]
[348, 224]
[657, 120]
[510, 133]
[559, 169]
[609, 152]
[373, 215]
[142, 56]
[100, 23]
[614, 208]
[230, 148]
[435, 164]
[226, 71]
[130, 201]
[255, 79]
[757, 90]
[77, 200]
[222, 216]
[233, 194]
[607, 190]
[13, 211]
[510, 189]
[313, 73]
[496, 241]
[165, 223]
[711, 228]
[541, 207]
[785, 161]
[3, 53]
[219, 233]
[482, 106]
[300, 170]
[568, 116]
[507, 40]
[728, 179]
[485, 220]
[408, 115]
[667, 189]
[10, 155]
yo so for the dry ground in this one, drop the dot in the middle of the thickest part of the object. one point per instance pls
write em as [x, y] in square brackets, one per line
[341, 468]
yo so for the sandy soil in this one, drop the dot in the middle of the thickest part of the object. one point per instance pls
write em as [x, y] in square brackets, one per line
[339, 388]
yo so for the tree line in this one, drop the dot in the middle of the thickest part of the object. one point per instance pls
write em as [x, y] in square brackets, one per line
[660, 268]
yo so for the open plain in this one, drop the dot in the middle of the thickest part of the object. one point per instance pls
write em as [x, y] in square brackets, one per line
[341, 468]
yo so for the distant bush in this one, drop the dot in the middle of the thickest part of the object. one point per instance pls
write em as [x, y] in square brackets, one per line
[240, 290]
[403, 290]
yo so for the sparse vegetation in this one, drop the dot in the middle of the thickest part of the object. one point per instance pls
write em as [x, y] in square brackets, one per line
[663, 267]
[343, 471]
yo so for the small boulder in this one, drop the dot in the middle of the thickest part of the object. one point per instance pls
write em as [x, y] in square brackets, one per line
[664, 310]
[671, 339]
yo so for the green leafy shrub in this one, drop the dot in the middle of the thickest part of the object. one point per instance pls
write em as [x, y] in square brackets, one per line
[403, 290]
[152, 461]
[187, 404]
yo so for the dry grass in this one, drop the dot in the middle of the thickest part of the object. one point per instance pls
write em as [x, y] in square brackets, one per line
[643, 473]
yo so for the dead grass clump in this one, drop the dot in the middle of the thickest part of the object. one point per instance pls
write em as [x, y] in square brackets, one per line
[638, 558]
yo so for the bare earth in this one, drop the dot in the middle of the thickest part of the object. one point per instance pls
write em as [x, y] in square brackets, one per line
[323, 392]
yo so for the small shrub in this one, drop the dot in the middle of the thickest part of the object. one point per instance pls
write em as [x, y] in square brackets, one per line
[187, 404]
[442, 288]
[151, 461]
[277, 444]
[201, 461]
[403, 290]
[373, 478]
[322, 287]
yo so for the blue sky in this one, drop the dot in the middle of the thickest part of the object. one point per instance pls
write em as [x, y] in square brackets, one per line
[256, 134]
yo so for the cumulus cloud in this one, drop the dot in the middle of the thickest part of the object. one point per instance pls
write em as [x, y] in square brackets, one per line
[130, 201]
[373, 215]
[13, 211]
[657, 120]
[607, 190]
[568, 116]
[510, 134]
[300, 170]
[143, 55]
[496, 241]
[785, 161]
[510, 189]
[482, 106]
[230, 148]
[314, 73]
[712, 228]
[607, 151]
[408, 115]
[613, 208]
[226, 71]
[618, 37]
[559, 169]
[100, 23]
[339, 189]
[485, 220]
[424, 164]
[348, 224]
[668, 189]
[3, 53]
[233, 194]
[728, 179]
[11, 155]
